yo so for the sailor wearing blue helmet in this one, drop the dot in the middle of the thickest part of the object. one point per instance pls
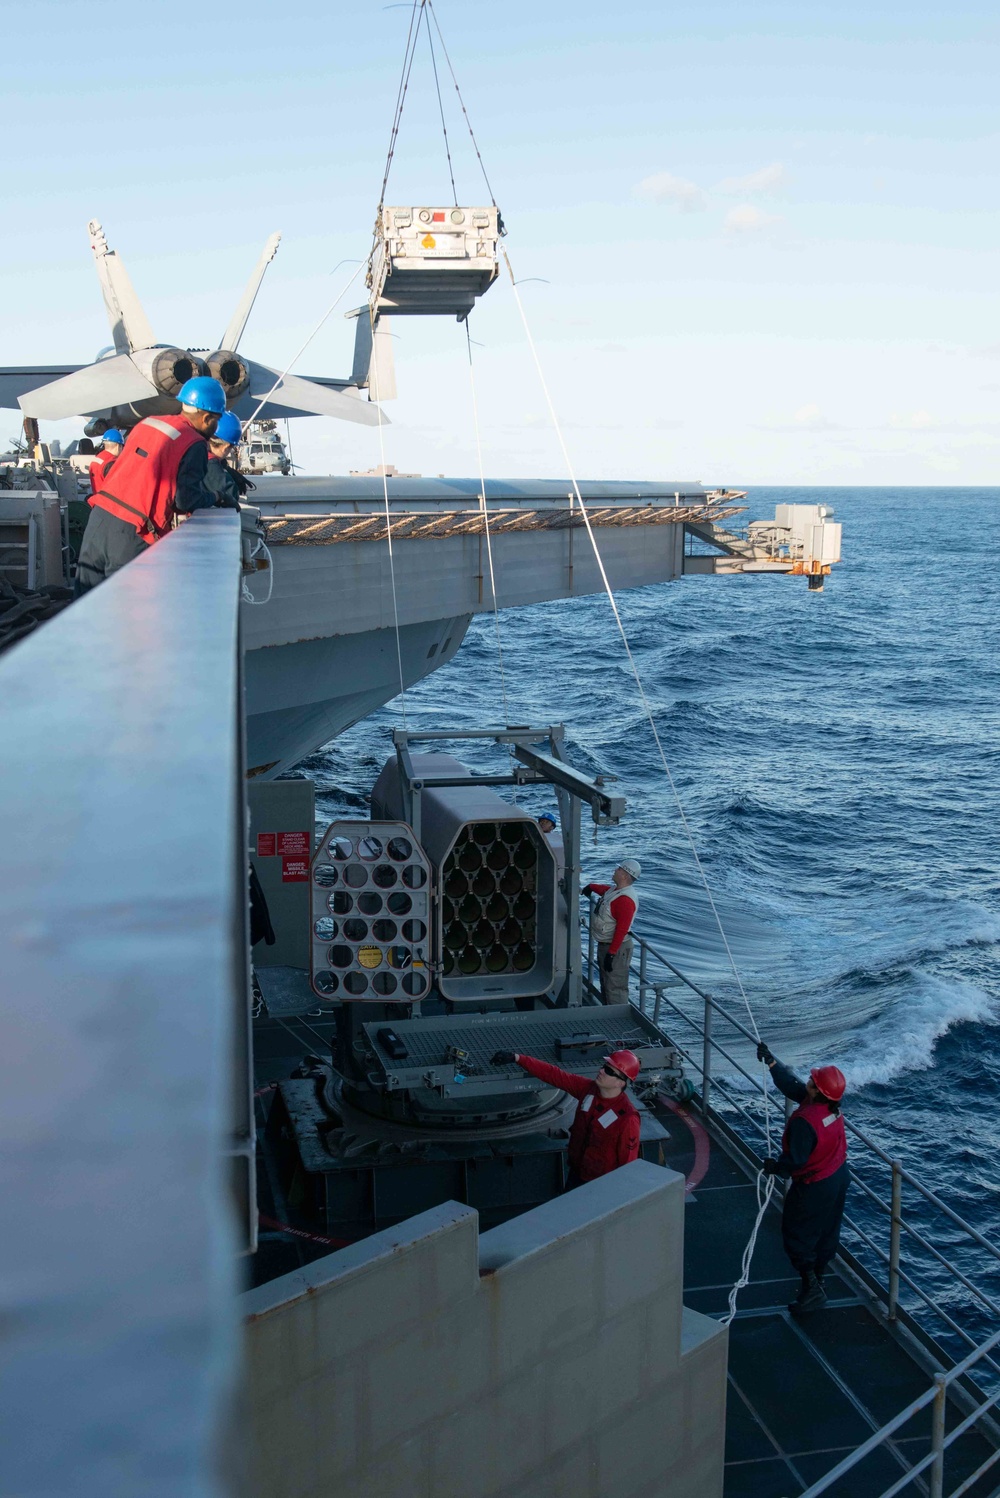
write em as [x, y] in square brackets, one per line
[111, 445]
[223, 479]
[160, 472]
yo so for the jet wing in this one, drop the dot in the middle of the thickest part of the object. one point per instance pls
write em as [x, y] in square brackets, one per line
[16, 382]
[291, 395]
[95, 387]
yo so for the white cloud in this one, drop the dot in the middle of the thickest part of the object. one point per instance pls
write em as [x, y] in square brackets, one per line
[664, 187]
[808, 418]
[916, 421]
[808, 415]
[746, 219]
[765, 180]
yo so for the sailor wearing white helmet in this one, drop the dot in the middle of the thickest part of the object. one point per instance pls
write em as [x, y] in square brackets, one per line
[612, 921]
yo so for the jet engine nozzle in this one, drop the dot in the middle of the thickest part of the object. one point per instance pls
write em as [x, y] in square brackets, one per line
[171, 367]
[231, 372]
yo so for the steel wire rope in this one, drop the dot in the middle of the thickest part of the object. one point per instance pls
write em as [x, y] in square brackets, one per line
[444, 127]
[416, 15]
[465, 112]
[763, 1198]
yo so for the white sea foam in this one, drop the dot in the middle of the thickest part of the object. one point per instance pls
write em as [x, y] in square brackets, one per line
[902, 1038]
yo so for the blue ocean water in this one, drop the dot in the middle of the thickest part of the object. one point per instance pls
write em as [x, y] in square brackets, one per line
[837, 755]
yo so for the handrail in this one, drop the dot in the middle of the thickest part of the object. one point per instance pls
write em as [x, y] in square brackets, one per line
[936, 1394]
[900, 1173]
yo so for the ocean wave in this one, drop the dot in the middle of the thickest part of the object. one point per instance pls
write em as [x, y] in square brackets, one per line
[903, 1038]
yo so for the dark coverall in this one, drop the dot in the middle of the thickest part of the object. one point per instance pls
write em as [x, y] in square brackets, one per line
[109, 542]
[810, 1221]
[225, 484]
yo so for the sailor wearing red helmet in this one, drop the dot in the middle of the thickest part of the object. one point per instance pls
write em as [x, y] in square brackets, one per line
[605, 1131]
[814, 1155]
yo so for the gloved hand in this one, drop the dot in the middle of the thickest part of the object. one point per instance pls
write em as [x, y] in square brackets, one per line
[609, 962]
[503, 1058]
[770, 1167]
[763, 1054]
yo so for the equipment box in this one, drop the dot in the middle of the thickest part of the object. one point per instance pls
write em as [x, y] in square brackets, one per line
[433, 261]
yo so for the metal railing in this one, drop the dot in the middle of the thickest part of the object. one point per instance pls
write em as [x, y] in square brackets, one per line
[941, 1438]
[700, 1053]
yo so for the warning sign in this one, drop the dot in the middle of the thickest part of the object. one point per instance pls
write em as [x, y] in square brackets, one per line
[294, 869]
[266, 844]
[429, 242]
[293, 842]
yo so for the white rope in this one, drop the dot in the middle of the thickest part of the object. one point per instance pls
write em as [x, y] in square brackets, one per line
[628, 649]
[291, 365]
[647, 709]
[486, 523]
[388, 521]
[489, 547]
[246, 594]
[762, 1205]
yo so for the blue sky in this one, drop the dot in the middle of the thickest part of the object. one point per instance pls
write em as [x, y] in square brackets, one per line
[766, 235]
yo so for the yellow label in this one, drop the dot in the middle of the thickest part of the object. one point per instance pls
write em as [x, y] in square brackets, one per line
[429, 242]
[370, 956]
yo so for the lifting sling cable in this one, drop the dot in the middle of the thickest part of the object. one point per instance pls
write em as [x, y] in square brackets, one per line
[465, 112]
[486, 524]
[416, 17]
[444, 127]
[763, 1198]
[388, 519]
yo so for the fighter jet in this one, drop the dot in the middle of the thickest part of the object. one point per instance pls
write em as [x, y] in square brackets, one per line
[139, 377]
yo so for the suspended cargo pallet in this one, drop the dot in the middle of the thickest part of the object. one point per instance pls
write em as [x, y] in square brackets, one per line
[433, 262]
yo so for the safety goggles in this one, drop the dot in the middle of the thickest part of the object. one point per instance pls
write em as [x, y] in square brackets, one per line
[612, 1073]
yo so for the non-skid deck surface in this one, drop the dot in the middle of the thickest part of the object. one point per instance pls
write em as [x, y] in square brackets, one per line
[803, 1393]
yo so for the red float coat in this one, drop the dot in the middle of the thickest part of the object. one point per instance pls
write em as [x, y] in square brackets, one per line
[99, 470]
[144, 482]
[831, 1142]
[604, 1134]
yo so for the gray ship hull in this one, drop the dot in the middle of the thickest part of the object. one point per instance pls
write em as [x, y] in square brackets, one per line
[301, 695]
[321, 653]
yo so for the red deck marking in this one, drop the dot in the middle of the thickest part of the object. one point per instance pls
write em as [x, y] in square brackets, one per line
[283, 1227]
[702, 1144]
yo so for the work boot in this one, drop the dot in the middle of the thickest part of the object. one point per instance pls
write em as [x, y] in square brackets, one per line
[810, 1297]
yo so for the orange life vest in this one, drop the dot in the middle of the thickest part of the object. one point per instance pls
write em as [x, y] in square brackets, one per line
[143, 484]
